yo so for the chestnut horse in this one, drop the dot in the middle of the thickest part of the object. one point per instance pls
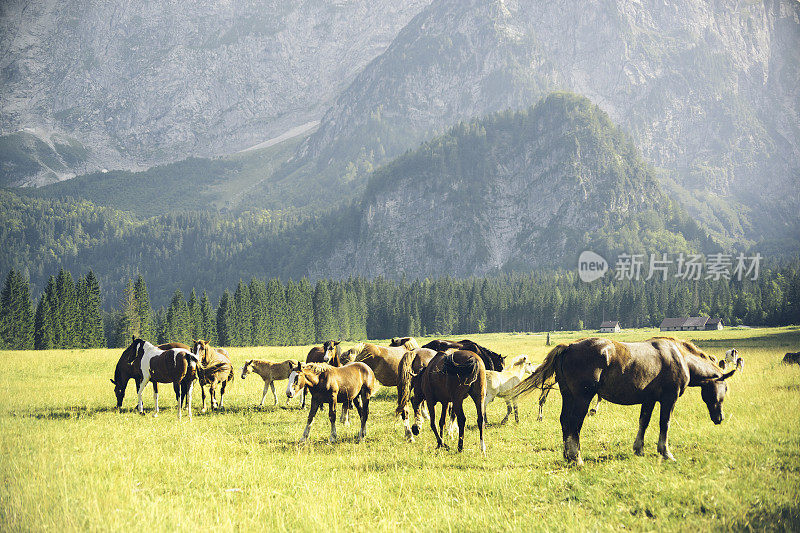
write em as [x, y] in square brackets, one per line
[383, 360]
[353, 382]
[411, 363]
[176, 365]
[491, 360]
[329, 353]
[450, 378]
[126, 370]
[656, 370]
[217, 370]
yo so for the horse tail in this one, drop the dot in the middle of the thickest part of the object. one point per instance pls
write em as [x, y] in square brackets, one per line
[468, 369]
[543, 377]
[404, 385]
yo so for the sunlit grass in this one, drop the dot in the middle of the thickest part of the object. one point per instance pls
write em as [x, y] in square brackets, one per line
[69, 461]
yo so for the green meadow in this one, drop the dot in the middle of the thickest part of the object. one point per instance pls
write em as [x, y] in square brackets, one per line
[70, 461]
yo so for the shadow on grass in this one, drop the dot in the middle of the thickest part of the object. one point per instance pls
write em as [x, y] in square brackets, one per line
[62, 413]
[770, 340]
[782, 518]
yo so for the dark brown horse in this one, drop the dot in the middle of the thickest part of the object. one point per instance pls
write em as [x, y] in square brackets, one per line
[656, 370]
[176, 365]
[491, 360]
[353, 382]
[217, 371]
[411, 364]
[450, 378]
[126, 370]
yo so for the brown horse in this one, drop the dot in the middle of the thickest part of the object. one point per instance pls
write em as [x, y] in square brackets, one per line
[354, 383]
[383, 360]
[491, 360]
[450, 378]
[127, 370]
[411, 364]
[656, 370]
[270, 372]
[217, 370]
[329, 353]
[178, 366]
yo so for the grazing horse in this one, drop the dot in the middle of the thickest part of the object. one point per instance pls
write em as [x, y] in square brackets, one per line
[732, 358]
[217, 369]
[450, 378]
[656, 370]
[411, 363]
[499, 384]
[269, 372]
[353, 382]
[178, 366]
[492, 360]
[383, 360]
[126, 370]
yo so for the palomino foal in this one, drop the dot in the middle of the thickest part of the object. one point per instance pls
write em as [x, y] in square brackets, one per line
[177, 366]
[270, 372]
[353, 382]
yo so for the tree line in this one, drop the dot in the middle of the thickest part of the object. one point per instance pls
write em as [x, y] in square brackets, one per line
[69, 314]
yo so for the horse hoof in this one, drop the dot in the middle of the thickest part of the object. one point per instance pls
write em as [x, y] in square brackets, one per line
[503, 421]
[203, 410]
[155, 415]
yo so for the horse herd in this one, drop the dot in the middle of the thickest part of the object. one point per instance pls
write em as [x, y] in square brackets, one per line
[445, 372]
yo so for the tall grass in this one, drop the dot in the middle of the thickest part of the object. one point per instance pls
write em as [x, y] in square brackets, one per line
[68, 461]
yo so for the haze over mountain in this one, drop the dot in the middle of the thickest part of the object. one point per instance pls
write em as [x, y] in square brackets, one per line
[86, 84]
[708, 92]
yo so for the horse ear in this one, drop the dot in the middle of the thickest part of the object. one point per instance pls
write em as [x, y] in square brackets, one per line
[729, 374]
[133, 338]
[722, 364]
[112, 381]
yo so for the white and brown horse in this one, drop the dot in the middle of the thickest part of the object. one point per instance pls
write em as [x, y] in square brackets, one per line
[216, 371]
[270, 372]
[654, 371]
[353, 382]
[176, 365]
[128, 369]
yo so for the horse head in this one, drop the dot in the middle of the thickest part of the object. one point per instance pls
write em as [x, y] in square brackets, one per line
[296, 381]
[332, 351]
[246, 369]
[201, 348]
[126, 369]
[713, 393]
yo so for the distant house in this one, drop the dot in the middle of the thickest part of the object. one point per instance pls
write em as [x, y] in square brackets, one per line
[609, 326]
[672, 324]
[693, 323]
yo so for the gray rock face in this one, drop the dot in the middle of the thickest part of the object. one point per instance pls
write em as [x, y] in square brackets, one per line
[708, 90]
[141, 83]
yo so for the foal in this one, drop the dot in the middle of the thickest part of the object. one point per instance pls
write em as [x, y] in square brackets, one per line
[270, 372]
[354, 382]
[499, 385]
[217, 369]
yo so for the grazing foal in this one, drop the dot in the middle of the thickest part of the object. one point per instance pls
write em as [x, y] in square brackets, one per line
[270, 372]
[354, 383]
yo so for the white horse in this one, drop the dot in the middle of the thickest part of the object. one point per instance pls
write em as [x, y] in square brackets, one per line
[498, 384]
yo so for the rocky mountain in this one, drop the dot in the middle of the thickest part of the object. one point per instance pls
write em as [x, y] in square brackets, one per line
[516, 191]
[707, 90]
[134, 84]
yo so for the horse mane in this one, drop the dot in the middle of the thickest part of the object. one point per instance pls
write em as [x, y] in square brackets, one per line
[350, 354]
[411, 344]
[317, 368]
[689, 347]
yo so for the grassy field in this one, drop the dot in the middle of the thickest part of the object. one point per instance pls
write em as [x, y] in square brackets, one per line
[71, 462]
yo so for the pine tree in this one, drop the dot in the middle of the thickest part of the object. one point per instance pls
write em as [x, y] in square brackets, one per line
[67, 335]
[42, 326]
[323, 312]
[294, 316]
[92, 333]
[242, 317]
[143, 311]
[225, 320]
[306, 311]
[276, 314]
[258, 312]
[130, 325]
[16, 317]
[208, 320]
[195, 317]
[177, 321]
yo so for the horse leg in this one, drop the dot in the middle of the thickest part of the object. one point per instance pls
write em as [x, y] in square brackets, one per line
[667, 405]
[140, 390]
[155, 398]
[212, 391]
[311, 414]
[452, 428]
[203, 397]
[480, 407]
[573, 412]
[332, 416]
[516, 411]
[509, 410]
[596, 409]
[432, 411]
[363, 413]
[180, 386]
[415, 405]
[222, 395]
[345, 418]
[458, 409]
[189, 398]
[274, 396]
[644, 420]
